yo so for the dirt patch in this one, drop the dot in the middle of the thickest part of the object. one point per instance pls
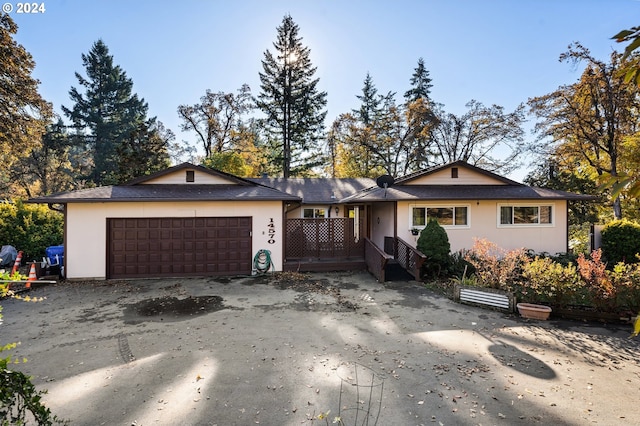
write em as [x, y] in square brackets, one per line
[303, 283]
[171, 308]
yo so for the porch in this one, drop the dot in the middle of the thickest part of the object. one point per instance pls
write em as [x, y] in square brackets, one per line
[336, 244]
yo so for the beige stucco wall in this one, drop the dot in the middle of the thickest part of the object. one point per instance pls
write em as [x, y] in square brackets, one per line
[465, 177]
[483, 223]
[86, 238]
[382, 222]
[181, 178]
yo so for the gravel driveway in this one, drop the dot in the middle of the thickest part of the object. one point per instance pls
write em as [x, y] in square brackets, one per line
[284, 349]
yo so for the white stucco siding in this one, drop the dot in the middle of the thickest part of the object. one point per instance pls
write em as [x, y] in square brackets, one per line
[86, 235]
[483, 223]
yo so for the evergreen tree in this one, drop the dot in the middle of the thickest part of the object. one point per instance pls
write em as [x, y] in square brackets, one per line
[23, 112]
[106, 115]
[433, 242]
[145, 150]
[291, 101]
[370, 107]
[420, 84]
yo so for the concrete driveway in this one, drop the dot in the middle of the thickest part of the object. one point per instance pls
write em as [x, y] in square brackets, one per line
[283, 349]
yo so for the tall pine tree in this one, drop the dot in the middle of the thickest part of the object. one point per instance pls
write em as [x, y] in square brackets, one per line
[290, 99]
[420, 84]
[106, 114]
[370, 106]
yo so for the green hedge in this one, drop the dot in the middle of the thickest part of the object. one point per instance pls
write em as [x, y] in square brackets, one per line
[30, 228]
[621, 242]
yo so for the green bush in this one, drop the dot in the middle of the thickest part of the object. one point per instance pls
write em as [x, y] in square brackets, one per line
[30, 228]
[621, 241]
[434, 243]
[547, 281]
[625, 279]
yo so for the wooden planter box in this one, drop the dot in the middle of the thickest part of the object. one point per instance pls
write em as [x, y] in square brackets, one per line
[485, 297]
[590, 314]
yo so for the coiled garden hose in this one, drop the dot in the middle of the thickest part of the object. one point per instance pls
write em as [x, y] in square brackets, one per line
[262, 261]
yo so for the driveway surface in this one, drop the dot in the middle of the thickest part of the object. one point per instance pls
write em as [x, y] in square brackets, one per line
[284, 349]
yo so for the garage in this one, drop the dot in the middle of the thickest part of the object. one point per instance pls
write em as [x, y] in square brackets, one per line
[174, 247]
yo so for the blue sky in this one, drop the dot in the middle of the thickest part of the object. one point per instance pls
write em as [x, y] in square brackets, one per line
[495, 51]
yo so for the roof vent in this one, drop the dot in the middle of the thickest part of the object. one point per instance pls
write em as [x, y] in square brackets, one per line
[191, 176]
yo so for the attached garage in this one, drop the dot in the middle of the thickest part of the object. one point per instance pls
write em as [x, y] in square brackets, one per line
[184, 221]
[174, 247]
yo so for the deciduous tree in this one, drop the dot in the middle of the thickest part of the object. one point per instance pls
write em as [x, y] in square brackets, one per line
[487, 137]
[218, 119]
[589, 119]
[23, 112]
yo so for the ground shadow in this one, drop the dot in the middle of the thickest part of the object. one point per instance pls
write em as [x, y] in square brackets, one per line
[522, 362]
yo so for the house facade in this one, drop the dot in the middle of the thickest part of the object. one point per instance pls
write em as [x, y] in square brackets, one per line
[192, 221]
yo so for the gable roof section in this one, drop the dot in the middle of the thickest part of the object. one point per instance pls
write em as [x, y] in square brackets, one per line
[318, 190]
[406, 188]
[229, 178]
[424, 175]
[232, 188]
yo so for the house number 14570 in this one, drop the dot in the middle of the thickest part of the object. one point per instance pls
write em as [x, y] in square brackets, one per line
[271, 231]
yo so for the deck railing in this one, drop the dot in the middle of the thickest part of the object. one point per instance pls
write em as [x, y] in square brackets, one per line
[376, 260]
[410, 258]
[323, 239]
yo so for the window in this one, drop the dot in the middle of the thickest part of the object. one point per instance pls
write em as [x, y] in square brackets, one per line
[445, 216]
[526, 215]
[191, 176]
[454, 173]
[313, 213]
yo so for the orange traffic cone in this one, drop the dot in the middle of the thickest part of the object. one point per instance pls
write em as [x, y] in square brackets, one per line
[32, 275]
[17, 263]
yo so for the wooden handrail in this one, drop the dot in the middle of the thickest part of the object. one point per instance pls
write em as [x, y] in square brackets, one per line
[375, 259]
[412, 259]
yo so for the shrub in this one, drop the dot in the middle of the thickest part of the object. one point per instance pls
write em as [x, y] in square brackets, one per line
[547, 281]
[625, 279]
[20, 401]
[434, 243]
[459, 266]
[494, 266]
[29, 227]
[593, 273]
[621, 241]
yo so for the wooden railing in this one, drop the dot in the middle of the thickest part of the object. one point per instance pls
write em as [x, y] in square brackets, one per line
[323, 239]
[376, 259]
[410, 258]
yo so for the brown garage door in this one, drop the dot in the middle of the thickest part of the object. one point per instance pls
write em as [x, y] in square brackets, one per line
[173, 247]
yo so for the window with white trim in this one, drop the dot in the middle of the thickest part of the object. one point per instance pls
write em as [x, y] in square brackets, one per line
[525, 215]
[445, 216]
[314, 213]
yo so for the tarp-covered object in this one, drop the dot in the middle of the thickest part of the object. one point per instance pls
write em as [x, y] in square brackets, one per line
[8, 255]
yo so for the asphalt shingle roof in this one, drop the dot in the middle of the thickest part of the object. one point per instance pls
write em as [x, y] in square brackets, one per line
[318, 190]
[172, 192]
[462, 192]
